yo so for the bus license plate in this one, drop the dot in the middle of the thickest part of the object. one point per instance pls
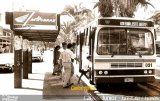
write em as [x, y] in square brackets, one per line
[128, 80]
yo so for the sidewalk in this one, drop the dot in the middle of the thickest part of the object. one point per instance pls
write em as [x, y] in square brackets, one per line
[53, 89]
[31, 86]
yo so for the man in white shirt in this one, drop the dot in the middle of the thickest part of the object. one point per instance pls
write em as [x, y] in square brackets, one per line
[65, 60]
[64, 47]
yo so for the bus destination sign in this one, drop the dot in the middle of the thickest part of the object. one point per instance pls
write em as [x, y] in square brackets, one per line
[120, 22]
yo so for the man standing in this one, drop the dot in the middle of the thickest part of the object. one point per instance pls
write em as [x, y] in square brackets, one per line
[57, 68]
[65, 60]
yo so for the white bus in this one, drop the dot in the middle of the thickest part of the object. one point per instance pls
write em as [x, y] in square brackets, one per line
[122, 50]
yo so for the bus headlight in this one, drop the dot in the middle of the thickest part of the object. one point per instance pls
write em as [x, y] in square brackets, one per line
[100, 72]
[145, 71]
[105, 72]
[150, 71]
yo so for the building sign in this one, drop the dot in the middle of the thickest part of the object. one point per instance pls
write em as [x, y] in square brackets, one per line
[122, 22]
[34, 20]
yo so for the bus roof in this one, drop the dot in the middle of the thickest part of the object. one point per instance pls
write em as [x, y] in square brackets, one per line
[123, 18]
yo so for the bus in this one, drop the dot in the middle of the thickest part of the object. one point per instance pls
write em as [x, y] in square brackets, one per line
[122, 50]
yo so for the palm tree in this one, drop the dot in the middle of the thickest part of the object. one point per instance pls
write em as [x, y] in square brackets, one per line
[156, 17]
[120, 8]
[66, 30]
[77, 12]
[80, 16]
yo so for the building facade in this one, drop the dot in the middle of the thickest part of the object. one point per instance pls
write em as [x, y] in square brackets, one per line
[6, 38]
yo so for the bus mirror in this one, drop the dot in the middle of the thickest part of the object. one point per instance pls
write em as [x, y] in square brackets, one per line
[89, 57]
[155, 34]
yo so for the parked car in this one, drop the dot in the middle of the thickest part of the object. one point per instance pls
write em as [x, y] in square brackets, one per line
[6, 62]
[37, 56]
[51, 49]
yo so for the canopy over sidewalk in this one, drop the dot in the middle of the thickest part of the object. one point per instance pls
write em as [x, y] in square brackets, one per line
[34, 26]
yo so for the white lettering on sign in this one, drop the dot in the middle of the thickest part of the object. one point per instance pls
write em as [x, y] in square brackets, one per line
[122, 23]
[134, 23]
[40, 19]
[125, 23]
[140, 24]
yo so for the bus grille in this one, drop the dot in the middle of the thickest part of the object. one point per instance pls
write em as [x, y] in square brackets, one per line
[2, 64]
[126, 65]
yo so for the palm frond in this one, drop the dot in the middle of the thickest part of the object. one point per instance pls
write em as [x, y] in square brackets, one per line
[96, 5]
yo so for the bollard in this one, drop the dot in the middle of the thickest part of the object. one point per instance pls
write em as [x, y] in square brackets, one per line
[30, 61]
[25, 64]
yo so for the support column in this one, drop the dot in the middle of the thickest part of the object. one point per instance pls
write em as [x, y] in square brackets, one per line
[25, 64]
[18, 62]
[18, 69]
[30, 61]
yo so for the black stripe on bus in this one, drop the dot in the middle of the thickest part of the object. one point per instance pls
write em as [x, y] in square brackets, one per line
[125, 60]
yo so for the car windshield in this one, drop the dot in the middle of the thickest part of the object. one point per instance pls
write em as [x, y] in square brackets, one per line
[4, 49]
[119, 41]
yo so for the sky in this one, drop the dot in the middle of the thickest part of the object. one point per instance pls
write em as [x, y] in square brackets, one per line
[52, 6]
[144, 14]
[57, 6]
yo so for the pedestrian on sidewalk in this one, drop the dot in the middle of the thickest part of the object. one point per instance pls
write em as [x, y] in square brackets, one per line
[73, 49]
[85, 67]
[73, 46]
[56, 63]
[65, 60]
[64, 47]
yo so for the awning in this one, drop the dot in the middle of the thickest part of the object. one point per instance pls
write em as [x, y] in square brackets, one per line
[35, 26]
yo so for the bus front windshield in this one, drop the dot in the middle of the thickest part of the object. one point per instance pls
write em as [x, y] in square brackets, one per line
[119, 41]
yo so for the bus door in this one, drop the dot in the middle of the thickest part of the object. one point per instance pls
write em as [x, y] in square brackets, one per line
[91, 53]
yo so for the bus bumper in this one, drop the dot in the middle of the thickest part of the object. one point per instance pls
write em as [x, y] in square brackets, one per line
[124, 79]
